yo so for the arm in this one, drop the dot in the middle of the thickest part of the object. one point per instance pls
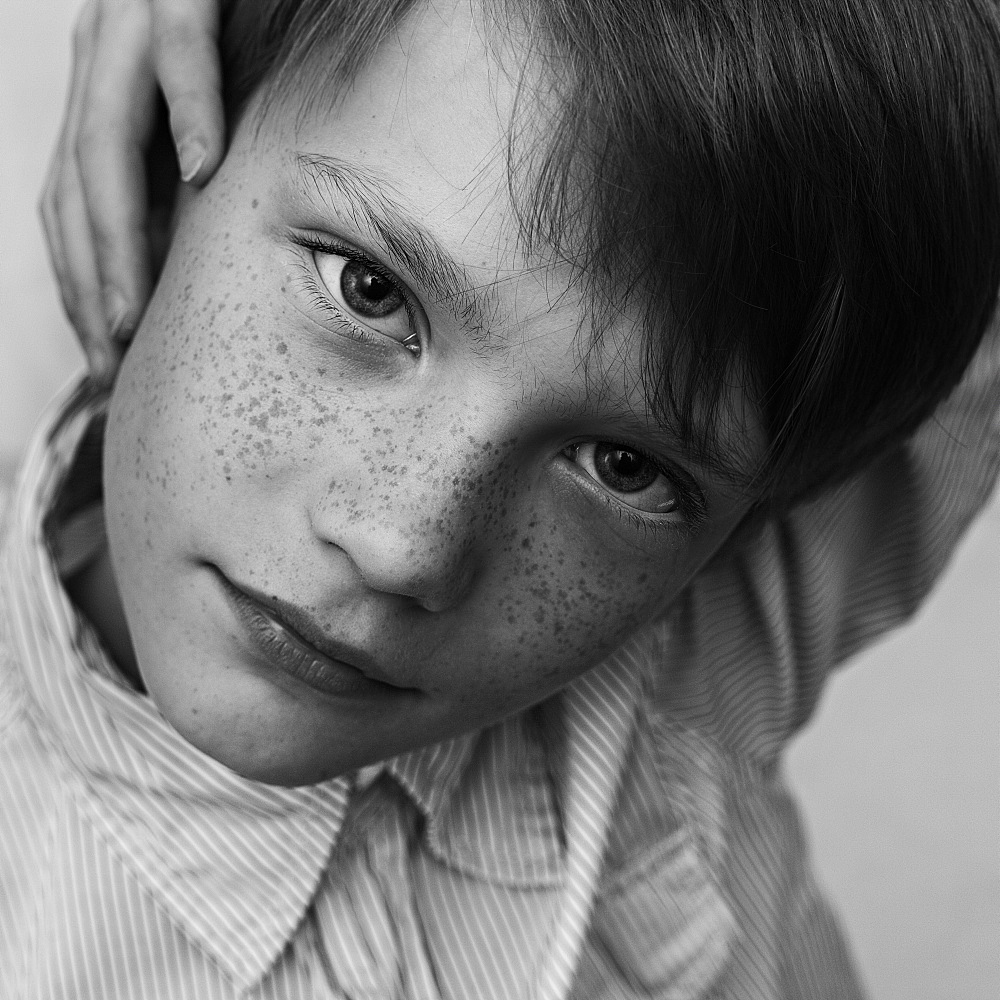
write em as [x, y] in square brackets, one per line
[757, 632]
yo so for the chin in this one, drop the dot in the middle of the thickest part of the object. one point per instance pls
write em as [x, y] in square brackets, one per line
[285, 774]
[288, 767]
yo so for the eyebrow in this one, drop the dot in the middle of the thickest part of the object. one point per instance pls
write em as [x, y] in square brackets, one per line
[362, 195]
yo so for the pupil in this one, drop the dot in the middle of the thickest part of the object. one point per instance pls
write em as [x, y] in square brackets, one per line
[368, 293]
[624, 470]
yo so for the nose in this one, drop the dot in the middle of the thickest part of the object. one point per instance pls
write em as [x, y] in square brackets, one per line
[417, 525]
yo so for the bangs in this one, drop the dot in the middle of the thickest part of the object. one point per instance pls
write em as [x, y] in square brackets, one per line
[802, 201]
[308, 47]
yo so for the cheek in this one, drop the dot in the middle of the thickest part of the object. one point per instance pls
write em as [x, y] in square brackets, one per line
[569, 597]
[206, 394]
[563, 604]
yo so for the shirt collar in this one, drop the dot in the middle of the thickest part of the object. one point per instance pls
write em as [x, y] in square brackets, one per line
[513, 804]
[491, 799]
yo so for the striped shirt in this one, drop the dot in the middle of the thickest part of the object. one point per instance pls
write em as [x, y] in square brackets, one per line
[629, 838]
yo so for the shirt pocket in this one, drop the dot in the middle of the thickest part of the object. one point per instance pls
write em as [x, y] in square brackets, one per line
[662, 928]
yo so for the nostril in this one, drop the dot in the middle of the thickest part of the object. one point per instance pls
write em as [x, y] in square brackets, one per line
[433, 567]
[435, 578]
[442, 599]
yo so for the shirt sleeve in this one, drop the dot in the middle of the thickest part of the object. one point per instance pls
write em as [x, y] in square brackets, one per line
[751, 641]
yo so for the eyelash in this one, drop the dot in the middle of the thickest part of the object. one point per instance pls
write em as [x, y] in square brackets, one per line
[321, 298]
[690, 499]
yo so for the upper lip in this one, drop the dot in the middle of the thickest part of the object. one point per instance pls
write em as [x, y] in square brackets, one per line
[308, 630]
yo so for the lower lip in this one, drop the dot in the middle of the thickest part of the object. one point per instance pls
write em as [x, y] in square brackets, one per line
[279, 647]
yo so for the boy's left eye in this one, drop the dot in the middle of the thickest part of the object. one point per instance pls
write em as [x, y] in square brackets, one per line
[629, 475]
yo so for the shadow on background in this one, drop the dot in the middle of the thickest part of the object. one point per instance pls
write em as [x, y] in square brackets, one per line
[899, 778]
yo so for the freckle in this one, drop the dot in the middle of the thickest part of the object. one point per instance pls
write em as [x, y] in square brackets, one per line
[282, 348]
[254, 203]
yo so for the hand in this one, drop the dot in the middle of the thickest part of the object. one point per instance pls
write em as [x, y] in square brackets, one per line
[97, 205]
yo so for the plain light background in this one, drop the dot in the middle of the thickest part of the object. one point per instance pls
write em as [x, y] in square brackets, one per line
[899, 776]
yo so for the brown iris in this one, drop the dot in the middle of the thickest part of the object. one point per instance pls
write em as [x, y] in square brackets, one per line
[622, 469]
[367, 292]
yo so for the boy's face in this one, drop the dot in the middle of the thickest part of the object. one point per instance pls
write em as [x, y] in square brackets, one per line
[334, 544]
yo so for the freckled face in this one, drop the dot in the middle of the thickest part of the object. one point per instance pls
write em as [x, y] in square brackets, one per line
[352, 508]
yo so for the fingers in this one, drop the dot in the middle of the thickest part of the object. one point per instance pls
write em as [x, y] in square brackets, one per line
[63, 211]
[95, 205]
[116, 122]
[186, 60]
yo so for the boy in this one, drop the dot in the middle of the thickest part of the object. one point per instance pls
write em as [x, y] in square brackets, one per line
[403, 450]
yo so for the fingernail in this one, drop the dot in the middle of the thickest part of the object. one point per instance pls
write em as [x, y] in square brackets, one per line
[117, 314]
[191, 155]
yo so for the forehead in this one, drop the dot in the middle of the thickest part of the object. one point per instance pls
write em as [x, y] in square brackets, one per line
[416, 151]
[435, 101]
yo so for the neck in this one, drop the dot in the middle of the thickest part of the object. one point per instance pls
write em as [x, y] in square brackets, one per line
[94, 590]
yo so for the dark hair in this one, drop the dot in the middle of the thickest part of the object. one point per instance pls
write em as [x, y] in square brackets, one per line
[799, 197]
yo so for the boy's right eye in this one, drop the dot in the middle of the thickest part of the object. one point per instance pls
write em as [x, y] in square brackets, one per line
[358, 288]
[364, 294]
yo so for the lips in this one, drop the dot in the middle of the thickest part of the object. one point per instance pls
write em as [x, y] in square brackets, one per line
[289, 639]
